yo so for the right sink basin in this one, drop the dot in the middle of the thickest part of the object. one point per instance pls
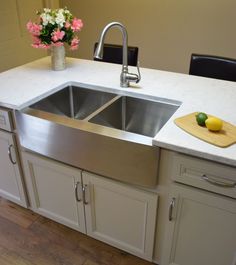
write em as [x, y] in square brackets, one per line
[140, 116]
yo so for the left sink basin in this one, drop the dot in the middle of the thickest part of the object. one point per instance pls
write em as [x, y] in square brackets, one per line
[74, 102]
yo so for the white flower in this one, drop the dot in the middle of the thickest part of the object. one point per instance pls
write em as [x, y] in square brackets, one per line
[60, 19]
[47, 19]
[47, 10]
[61, 10]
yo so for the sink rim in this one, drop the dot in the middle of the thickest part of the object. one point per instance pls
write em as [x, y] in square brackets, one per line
[116, 91]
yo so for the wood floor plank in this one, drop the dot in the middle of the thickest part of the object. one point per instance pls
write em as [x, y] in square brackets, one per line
[82, 244]
[90, 262]
[12, 258]
[40, 249]
[16, 213]
[128, 260]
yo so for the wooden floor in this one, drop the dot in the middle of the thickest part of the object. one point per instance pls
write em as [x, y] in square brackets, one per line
[29, 239]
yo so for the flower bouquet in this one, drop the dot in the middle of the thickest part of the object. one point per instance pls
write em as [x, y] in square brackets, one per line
[54, 28]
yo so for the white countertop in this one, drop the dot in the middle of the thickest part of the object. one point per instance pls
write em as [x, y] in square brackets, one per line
[27, 84]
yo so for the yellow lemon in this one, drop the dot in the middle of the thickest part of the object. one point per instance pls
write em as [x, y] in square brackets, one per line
[214, 124]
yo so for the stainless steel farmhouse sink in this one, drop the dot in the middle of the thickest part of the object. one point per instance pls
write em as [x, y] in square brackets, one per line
[105, 133]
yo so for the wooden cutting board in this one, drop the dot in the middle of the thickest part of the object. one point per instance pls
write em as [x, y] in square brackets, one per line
[223, 138]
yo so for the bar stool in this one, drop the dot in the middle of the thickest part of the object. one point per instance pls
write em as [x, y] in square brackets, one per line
[112, 53]
[213, 66]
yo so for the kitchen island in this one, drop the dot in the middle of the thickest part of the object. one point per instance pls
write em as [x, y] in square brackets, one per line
[24, 85]
[184, 159]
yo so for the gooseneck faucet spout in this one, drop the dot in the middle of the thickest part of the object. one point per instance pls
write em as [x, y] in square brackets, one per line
[125, 77]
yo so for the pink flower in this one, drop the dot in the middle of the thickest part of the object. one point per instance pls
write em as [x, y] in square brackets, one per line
[74, 44]
[34, 28]
[40, 45]
[58, 44]
[44, 46]
[36, 40]
[76, 24]
[67, 25]
[37, 43]
[58, 35]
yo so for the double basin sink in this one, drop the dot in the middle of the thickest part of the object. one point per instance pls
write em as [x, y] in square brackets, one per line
[105, 133]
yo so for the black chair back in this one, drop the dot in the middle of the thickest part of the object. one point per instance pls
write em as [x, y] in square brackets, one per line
[112, 53]
[213, 66]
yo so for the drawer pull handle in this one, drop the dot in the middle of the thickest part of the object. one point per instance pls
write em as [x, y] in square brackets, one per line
[10, 155]
[84, 194]
[218, 182]
[171, 207]
[78, 199]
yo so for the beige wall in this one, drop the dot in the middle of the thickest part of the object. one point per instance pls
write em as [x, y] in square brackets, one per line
[166, 31]
[15, 41]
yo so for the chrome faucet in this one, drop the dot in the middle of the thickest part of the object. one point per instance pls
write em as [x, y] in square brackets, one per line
[125, 76]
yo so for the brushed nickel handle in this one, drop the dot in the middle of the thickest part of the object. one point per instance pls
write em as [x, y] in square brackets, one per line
[78, 199]
[218, 182]
[10, 155]
[171, 207]
[139, 74]
[84, 189]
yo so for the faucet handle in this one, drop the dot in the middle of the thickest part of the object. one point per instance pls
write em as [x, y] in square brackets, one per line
[134, 77]
[126, 77]
[139, 74]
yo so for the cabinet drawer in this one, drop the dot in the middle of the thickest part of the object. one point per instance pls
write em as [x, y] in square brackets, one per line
[5, 120]
[204, 174]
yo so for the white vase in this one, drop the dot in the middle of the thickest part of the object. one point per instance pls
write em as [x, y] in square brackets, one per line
[58, 58]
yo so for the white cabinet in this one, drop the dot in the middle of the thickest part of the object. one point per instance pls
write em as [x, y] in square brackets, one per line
[54, 190]
[201, 228]
[107, 210]
[11, 185]
[120, 215]
[196, 221]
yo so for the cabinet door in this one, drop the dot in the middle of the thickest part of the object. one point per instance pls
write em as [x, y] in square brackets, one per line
[55, 190]
[11, 186]
[203, 228]
[120, 215]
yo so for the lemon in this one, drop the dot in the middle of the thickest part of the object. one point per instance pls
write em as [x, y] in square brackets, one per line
[214, 124]
[201, 117]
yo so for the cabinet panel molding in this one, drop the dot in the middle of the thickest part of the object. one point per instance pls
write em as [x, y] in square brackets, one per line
[52, 189]
[202, 230]
[204, 174]
[11, 181]
[121, 215]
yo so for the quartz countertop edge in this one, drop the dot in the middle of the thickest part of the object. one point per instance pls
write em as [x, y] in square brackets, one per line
[26, 84]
